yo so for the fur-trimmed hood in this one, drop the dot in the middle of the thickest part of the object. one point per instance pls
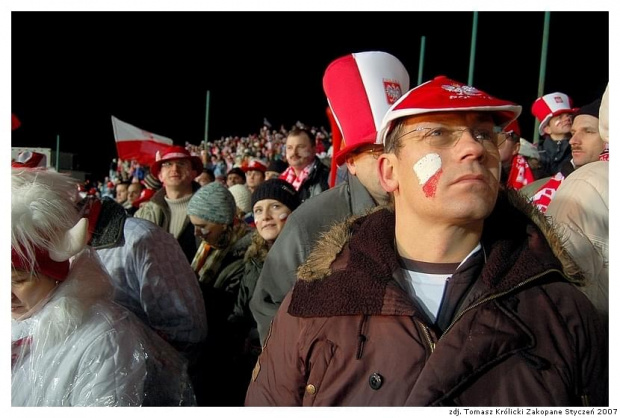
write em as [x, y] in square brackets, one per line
[257, 250]
[505, 243]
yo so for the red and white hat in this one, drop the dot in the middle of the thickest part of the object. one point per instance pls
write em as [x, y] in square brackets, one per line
[442, 94]
[514, 128]
[550, 105]
[175, 152]
[360, 88]
[254, 164]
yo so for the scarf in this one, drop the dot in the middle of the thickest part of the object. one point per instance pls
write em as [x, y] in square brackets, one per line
[520, 173]
[295, 180]
[543, 196]
[605, 154]
[208, 260]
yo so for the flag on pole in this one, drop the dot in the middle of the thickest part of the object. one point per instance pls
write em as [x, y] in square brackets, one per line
[133, 143]
[15, 123]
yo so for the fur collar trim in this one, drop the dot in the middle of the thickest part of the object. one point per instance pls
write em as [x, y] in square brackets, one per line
[355, 261]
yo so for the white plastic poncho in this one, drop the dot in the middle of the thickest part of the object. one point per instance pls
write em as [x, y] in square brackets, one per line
[81, 349]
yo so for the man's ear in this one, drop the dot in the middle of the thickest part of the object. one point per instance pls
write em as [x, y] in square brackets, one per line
[387, 172]
[547, 130]
[350, 162]
[516, 149]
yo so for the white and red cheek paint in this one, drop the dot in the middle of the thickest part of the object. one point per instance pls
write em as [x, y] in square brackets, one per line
[428, 170]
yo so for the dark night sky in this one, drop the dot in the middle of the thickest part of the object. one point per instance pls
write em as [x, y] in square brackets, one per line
[72, 70]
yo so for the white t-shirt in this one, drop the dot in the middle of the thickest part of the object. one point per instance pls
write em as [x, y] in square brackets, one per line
[426, 282]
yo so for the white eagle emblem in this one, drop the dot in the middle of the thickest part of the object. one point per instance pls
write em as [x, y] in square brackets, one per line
[392, 91]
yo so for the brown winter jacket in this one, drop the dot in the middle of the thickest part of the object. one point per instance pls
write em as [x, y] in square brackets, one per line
[512, 330]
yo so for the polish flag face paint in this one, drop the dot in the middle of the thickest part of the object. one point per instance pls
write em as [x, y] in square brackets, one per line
[428, 170]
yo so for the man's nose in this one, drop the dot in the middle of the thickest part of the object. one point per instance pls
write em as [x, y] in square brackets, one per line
[471, 145]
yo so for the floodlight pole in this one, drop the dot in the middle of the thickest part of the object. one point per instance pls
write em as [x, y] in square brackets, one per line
[421, 62]
[472, 51]
[57, 152]
[207, 116]
[543, 69]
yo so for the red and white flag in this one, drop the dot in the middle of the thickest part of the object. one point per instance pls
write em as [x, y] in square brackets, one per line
[133, 143]
[15, 123]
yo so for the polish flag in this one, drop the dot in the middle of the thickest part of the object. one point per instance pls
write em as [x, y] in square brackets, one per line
[15, 123]
[133, 143]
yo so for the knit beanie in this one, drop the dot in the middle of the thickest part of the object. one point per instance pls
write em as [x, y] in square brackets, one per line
[243, 197]
[277, 189]
[213, 203]
[278, 166]
[591, 109]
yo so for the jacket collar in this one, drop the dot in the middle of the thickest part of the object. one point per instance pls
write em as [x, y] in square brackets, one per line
[109, 225]
[350, 269]
[361, 199]
[159, 196]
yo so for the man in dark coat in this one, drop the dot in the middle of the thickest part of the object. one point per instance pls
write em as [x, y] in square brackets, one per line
[457, 294]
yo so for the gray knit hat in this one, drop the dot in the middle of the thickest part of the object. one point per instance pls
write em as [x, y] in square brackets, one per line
[213, 203]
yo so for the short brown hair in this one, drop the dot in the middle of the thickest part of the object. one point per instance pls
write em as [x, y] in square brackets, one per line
[300, 131]
[393, 142]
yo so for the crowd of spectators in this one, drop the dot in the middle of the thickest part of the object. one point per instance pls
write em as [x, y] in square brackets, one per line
[219, 156]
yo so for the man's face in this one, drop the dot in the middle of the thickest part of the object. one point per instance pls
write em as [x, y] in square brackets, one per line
[121, 193]
[586, 142]
[508, 149]
[133, 192]
[300, 151]
[271, 175]
[559, 126]
[454, 185]
[253, 178]
[177, 173]
[364, 164]
[234, 178]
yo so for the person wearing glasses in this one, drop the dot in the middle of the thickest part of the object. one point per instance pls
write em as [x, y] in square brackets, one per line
[358, 106]
[457, 294]
[176, 169]
[516, 172]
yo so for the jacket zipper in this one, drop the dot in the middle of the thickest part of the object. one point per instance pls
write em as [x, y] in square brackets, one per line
[475, 305]
[427, 335]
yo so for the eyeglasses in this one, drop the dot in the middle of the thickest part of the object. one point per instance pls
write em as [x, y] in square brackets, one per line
[178, 163]
[375, 151]
[444, 137]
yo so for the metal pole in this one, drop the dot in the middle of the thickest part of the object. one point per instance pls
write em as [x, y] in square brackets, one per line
[543, 69]
[57, 152]
[204, 147]
[472, 51]
[421, 63]
[207, 117]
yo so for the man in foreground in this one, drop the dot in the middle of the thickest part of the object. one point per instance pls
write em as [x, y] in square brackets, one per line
[456, 295]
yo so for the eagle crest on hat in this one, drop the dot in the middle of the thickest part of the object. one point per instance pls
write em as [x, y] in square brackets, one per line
[461, 91]
[392, 90]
